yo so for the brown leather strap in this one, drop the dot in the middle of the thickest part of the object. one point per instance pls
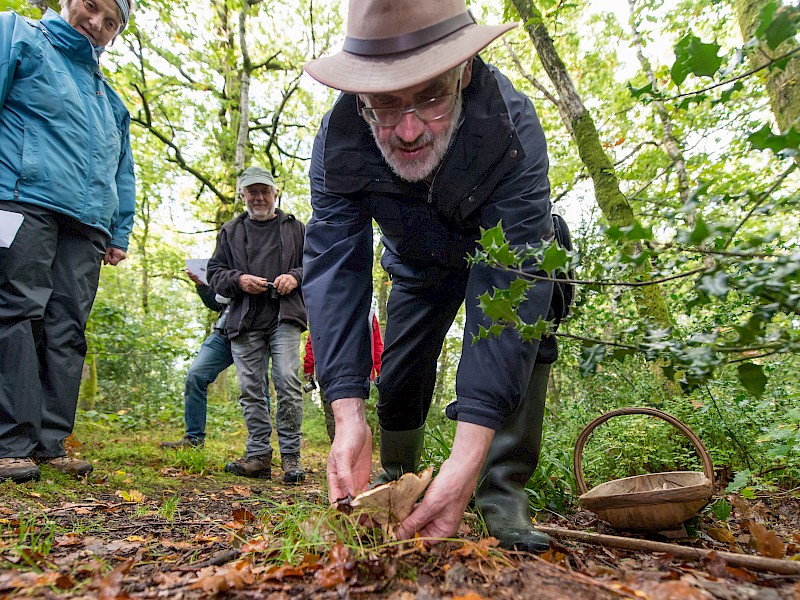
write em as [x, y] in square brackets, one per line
[409, 41]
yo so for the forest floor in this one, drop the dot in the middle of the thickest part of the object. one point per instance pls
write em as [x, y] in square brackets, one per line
[168, 525]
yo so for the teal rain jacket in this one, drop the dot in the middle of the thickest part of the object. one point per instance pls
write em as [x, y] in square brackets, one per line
[64, 133]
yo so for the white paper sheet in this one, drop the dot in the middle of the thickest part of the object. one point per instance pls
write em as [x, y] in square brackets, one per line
[9, 225]
[198, 266]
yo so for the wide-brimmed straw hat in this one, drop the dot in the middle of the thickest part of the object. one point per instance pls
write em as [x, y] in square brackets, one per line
[395, 44]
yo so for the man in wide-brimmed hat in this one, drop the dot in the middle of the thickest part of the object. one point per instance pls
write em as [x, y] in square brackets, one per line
[434, 145]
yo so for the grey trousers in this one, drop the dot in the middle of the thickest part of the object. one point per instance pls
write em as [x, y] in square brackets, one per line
[48, 281]
[251, 353]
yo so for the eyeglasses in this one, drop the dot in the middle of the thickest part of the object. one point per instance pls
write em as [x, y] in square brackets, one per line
[265, 193]
[109, 23]
[427, 111]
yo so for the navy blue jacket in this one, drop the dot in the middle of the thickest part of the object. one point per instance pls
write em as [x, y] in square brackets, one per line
[495, 170]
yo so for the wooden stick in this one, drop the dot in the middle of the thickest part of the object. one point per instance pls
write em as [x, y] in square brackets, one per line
[757, 563]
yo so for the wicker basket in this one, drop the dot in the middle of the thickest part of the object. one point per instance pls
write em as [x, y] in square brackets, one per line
[655, 502]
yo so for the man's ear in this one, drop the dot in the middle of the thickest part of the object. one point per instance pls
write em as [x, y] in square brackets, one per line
[466, 76]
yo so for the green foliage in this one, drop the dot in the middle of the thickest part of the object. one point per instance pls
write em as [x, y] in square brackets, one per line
[31, 539]
[694, 57]
[169, 508]
[191, 460]
[721, 509]
[777, 23]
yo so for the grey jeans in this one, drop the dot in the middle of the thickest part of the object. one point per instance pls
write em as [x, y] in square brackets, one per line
[251, 353]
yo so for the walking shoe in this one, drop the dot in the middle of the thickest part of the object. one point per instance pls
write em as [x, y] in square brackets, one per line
[18, 470]
[67, 464]
[292, 471]
[184, 442]
[252, 466]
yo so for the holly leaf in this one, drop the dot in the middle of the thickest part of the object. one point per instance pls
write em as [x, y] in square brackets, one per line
[715, 284]
[782, 143]
[752, 377]
[693, 56]
[591, 356]
[554, 257]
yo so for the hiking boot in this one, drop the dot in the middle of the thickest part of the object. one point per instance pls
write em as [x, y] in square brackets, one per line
[292, 471]
[18, 470]
[67, 464]
[252, 466]
[184, 442]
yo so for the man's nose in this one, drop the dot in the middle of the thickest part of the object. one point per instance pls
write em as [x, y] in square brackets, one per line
[96, 21]
[410, 127]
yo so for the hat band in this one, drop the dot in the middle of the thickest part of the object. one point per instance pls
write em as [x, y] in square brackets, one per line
[408, 41]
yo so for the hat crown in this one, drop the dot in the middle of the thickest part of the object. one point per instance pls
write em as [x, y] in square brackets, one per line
[385, 19]
[256, 174]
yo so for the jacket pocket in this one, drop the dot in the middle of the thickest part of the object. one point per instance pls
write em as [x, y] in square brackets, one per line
[31, 153]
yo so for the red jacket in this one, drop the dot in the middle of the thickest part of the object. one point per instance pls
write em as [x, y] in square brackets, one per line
[377, 350]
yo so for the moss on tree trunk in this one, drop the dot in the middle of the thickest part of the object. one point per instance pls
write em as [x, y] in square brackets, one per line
[783, 85]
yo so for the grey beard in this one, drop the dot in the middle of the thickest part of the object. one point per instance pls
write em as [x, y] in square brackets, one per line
[441, 145]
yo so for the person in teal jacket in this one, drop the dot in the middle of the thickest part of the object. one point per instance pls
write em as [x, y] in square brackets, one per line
[67, 200]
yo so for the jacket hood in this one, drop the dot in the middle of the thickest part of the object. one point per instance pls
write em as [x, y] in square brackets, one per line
[65, 37]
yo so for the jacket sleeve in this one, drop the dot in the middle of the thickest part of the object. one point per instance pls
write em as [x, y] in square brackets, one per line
[337, 284]
[222, 276]
[493, 373]
[208, 296]
[296, 271]
[126, 189]
[377, 346]
[308, 359]
[9, 54]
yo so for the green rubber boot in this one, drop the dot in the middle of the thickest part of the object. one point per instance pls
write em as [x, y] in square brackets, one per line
[400, 452]
[512, 458]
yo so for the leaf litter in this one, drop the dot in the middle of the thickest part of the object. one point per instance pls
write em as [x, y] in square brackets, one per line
[232, 541]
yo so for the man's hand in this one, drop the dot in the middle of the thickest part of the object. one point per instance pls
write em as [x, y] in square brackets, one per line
[114, 256]
[440, 513]
[252, 284]
[285, 284]
[350, 460]
[193, 276]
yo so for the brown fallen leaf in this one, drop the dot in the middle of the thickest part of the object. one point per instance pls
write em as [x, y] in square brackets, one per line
[337, 570]
[110, 586]
[233, 576]
[767, 542]
[389, 504]
[470, 596]
[480, 549]
[242, 515]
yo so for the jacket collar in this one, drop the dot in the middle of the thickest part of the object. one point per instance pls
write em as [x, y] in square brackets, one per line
[65, 37]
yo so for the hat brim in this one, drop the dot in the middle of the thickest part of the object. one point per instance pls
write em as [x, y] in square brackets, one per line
[252, 180]
[373, 75]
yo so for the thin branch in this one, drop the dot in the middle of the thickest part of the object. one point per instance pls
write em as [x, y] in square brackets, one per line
[733, 79]
[634, 284]
[759, 202]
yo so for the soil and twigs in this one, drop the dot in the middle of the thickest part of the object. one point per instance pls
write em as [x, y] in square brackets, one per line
[213, 535]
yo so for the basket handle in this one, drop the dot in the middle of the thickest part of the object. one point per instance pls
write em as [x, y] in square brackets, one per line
[708, 466]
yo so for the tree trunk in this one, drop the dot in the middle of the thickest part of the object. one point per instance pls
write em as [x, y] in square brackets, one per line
[87, 397]
[783, 85]
[651, 305]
